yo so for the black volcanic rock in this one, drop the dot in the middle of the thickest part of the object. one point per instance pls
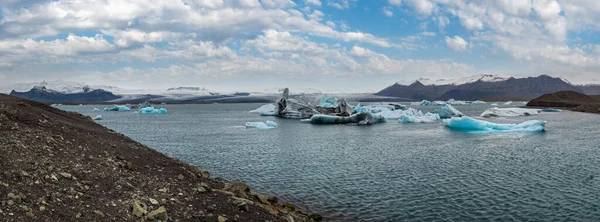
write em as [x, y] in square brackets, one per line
[42, 94]
[512, 88]
[563, 99]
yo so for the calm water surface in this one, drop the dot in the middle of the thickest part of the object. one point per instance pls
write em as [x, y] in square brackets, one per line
[391, 171]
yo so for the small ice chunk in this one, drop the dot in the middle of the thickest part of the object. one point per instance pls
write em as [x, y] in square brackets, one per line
[152, 110]
[266, 110]
[477, 102]
[118, 108]
[98, 117]
[494, 104]
[551, 110]
[508, 103]
[261, 125]
[96, 110]
[448, 111]
[468, 124]
[509, 112]
[455, 102]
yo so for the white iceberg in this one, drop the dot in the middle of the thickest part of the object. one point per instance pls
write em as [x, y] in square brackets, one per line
[494, 104]
[362, 118]
[98, 117]
[439, 103]
[266, 110]
[96, 110]
[419, 117]
[455, 102]
[508, 103]
[448, 111]
[152, 110]
[477, 102]
[118, 108]
[509, 112]
[468, 124]
[261, 125]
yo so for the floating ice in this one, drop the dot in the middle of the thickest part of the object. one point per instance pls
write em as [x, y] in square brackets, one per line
[118, 108]
[494, 104]
[509, 112]
[448, 111]
[551, 110]
[260, 125]
[96, 110]
[152, 110]
[468, 124]
[478, 102]
[419, 117]
[455, 102]
[266, 110]
[508, 103]
[362, 118]
[328, 102]
[98, 117]
[56, 104]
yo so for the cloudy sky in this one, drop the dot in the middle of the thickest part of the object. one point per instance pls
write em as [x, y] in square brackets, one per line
[352, 45]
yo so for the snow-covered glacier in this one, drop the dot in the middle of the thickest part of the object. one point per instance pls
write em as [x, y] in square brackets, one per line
[468, 124]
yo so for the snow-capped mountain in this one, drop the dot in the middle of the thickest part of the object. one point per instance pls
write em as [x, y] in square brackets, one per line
[297, 91]
[458, 81]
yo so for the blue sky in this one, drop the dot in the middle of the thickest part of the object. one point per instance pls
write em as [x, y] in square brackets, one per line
[341, 45]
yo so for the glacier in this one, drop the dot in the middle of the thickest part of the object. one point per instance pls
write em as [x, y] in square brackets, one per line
[468, 124]
[362, 118]
[261, 125]
[509, 112]
[266, 110]
[152, 110]
[118, 108]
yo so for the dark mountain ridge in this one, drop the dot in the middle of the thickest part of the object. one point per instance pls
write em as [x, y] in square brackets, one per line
[42, 94]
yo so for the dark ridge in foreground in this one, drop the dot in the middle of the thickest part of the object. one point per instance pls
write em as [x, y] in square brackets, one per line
[62, 166]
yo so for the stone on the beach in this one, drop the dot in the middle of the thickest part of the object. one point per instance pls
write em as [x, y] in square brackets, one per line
[139, 209]
[239, 190]
[261, 198]
[221, 218]
[158, 214]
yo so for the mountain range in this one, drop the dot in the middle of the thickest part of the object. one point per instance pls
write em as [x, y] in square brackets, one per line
[484, 87]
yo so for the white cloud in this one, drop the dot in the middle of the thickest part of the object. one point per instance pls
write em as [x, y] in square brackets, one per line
[313, 2]
[387, 12]
[395, 2]
[456, 43]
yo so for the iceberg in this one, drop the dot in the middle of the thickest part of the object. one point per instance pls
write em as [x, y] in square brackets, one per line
[96, 110]
[439, 103]
[448, 111]
[328, 102]
[362, 118]
[494, 104]
[261, 125]
[152, 110]
[551, 110]
[98, 117]
[477, 102]
[508, 103]
[118, 108]
[509, 112]
[468, 124]
[419, 118]
[266, 110]
[455, 102]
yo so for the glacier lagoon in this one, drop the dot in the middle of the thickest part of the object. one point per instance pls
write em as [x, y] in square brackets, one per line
[389, 171]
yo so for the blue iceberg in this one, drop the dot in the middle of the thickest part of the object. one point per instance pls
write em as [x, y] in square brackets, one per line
[118, 108]
[260, 125]
[328, 102]
[494, 104]
[152, 110]
[362, 118]
[448, 111]
[96, 110]
[266, 110]
[468, 124]
[551, 110]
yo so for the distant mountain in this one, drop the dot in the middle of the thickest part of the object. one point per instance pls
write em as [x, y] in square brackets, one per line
[479, 87]
[57, 85]
[42, 94]
[562, 99]
[591, 89]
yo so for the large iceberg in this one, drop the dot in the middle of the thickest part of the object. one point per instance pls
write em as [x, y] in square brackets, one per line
[262, 125]
[152, 110]
[266, 110]
[468, 124]
[509, 112]
[448, 111]
[362, 118]
[118, 108]
[328, 102]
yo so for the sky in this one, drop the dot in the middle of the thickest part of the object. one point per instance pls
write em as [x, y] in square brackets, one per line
[343, 45]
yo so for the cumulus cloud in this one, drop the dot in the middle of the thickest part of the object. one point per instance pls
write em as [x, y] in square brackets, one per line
[456, 43]
[387, 12]
[313, 2]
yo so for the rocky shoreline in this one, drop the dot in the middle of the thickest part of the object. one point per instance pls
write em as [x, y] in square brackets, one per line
[62, 166]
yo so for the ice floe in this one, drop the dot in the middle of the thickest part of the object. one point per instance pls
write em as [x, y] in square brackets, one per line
[118, 108]
[98, 117]
[477, 102]
[266, 110]
[419, 117]
[262, 125]
[96, 110]
[152, 110]
[468, 124]
[362, 118]
[509, 112]
[448, 111]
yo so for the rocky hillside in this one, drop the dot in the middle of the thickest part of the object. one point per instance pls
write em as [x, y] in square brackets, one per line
[42, 94]
[62, 166]
[562, 99]
[481, 88]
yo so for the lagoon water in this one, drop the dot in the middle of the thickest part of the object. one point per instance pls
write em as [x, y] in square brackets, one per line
[391, 171]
